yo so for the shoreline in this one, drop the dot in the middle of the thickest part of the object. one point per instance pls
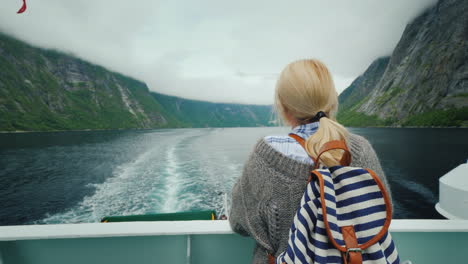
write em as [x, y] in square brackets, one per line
[408, 127]
[75, 130]
[131, 129]
[114, 129]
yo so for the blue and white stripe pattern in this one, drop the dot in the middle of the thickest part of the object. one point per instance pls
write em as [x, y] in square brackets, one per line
[352, 197]
[289, 147]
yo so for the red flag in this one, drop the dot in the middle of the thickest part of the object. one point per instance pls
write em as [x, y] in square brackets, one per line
[23, 8]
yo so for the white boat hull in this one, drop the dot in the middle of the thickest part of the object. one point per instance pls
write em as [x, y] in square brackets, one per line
[453, 193]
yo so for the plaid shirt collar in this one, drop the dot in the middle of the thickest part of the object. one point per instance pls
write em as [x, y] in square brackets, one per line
[305, 130]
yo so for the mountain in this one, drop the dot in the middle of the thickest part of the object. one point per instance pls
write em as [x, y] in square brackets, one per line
[204, 114]
[425, 80]
[43, 90]
[357, 93]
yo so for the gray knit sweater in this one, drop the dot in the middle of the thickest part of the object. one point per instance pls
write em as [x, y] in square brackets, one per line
[267, 195]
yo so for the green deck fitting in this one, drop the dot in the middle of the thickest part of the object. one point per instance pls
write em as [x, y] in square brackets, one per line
[181, 216]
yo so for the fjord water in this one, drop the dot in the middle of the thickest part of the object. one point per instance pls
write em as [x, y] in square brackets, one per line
[73, 177]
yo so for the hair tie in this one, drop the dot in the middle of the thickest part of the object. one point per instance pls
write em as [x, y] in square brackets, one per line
[316, 118]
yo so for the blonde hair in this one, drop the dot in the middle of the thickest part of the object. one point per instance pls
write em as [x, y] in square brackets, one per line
[304, 88]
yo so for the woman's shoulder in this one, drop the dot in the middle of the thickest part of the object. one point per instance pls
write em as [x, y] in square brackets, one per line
[282, 147]
[266, 154]
[288, 147]
[362, 152]
[267, 146]
[357, 143]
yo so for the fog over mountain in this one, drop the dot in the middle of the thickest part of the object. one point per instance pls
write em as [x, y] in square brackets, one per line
[224, 51]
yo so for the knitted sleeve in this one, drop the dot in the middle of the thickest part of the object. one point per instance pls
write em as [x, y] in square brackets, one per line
[247, 208]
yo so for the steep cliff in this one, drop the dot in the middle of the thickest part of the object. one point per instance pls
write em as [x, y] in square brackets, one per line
[425, 81]
[358, 93]
[42, 90]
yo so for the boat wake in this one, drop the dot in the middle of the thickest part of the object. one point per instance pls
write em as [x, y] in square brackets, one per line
[173, 174]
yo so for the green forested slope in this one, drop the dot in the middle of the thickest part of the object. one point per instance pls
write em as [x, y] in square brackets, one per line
[203, 114]
[43, 90]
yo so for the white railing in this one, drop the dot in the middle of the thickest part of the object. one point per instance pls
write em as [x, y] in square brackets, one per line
[163, 228]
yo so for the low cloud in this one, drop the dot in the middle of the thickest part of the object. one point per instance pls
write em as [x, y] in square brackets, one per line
[225, 51]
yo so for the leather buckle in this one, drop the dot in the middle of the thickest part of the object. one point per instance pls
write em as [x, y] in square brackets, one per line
[352, 250]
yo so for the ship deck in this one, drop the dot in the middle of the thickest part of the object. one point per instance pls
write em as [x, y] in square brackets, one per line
[421, 241]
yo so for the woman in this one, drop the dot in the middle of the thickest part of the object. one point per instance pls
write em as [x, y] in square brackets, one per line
[266, 196]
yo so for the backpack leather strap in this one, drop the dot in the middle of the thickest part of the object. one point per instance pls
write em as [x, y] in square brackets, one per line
[353, 254]
[299, 140]
[272, 259]
[334, 144]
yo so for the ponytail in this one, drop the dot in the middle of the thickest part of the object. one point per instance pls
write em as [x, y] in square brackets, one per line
[304, 89]
[328, 130]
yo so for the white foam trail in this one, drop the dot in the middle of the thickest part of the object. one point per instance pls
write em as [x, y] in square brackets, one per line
[172, 183]
[172, 174]
[421, 190]
[121, 194]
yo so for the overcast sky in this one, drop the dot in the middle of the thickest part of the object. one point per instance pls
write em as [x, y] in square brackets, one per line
[223, 51]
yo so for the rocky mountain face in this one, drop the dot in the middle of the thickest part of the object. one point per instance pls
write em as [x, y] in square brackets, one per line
[424, 82]
[43, 90]
[364, 84]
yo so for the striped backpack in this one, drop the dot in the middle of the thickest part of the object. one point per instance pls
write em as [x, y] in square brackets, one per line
[343, 216]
